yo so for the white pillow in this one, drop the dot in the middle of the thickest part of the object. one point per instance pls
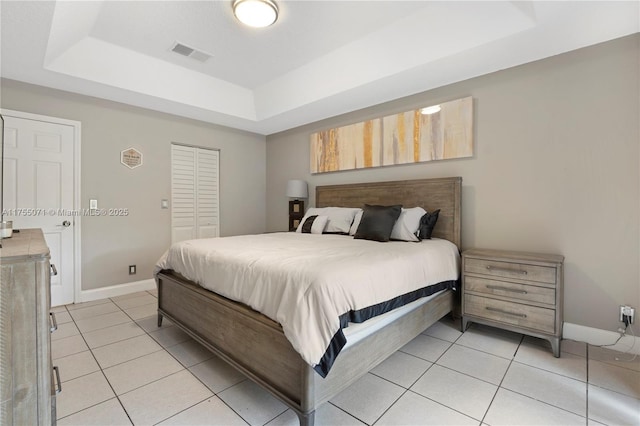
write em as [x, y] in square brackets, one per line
[356, 223]
[318, 225]
[407, 224]
[339, 218]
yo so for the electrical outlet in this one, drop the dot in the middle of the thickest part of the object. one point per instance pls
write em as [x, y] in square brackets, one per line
[628, 312]
[132, 271]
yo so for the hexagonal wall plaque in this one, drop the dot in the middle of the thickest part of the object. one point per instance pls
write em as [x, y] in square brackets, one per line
[131, 158]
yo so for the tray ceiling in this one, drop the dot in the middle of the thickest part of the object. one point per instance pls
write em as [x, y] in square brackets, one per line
[320, 59]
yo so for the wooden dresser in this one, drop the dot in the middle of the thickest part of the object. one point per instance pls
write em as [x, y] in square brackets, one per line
[517, 291]
[26, 373]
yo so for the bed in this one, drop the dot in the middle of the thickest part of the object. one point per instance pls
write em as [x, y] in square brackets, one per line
[256, 345]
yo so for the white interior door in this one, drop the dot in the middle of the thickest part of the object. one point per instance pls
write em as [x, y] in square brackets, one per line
[39, 189]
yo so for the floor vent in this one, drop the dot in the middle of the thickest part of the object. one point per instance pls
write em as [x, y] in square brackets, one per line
[190, 52]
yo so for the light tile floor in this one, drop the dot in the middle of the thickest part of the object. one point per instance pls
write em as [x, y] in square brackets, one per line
[119, 368]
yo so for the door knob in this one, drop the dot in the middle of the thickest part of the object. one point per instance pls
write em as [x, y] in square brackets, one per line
[66, 224]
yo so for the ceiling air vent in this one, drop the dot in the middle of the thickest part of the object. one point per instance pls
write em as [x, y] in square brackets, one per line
[190, 52]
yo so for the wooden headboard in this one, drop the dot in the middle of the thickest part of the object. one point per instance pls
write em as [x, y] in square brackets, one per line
[430, 194]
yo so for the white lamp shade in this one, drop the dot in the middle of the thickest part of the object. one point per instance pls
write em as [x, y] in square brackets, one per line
[297, 189]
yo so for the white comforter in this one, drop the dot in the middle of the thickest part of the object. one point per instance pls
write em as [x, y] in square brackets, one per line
[306, 281]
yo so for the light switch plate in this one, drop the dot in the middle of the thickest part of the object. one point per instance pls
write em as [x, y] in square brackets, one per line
[164, 204]
[93, 204]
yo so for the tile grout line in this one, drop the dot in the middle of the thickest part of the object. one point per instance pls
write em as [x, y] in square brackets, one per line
[422, 375]
[549, 371]
[123, 340]
[425, 372]
[501, 381]
[544, 402]
[96, 360]
[116, 341]
[191, 406]
[105, 378]
[455, 342]
[162, 348]
[469, 347]
[608, 364]
[406, 389]
[454, 370]
[230, 407]
[287, 408]
[190, 372]
[100, 366]
[532, 398]
[346, 412]
[197, 378]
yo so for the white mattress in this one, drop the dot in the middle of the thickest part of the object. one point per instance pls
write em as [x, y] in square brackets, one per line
[305, 282]
[358, 331]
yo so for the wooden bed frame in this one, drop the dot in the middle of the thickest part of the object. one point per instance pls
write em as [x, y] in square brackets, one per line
[256, 345]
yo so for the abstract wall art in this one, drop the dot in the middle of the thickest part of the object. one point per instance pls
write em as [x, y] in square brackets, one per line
[438, 132]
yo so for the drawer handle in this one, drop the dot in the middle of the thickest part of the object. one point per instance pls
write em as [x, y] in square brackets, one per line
[512, 290]
[54, 323]
[494, 268]
[54, 271]
[58, 382]
[489, 308]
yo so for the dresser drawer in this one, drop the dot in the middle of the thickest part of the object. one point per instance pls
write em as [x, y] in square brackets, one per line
[541, 274]
[511, 290]
[531, 317]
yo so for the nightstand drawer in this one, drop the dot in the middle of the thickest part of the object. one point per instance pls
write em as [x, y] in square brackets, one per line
[511, 290]
[520, 271]
[532, 317]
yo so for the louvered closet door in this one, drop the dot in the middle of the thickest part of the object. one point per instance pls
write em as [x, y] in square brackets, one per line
[194, 193]
[207, 193]
[183, 193]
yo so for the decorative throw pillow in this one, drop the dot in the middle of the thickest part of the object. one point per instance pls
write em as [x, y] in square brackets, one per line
[408, 224]
[314, 224]
[377, 222]
[312, 211]
[427, 223]
[356, 223]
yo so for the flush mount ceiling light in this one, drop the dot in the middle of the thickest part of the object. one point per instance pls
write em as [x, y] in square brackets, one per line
[430, 110]
[255, 13]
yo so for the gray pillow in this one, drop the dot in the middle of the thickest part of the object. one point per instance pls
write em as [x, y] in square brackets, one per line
[377, 222]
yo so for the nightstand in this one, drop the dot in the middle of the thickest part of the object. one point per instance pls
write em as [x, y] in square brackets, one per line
[517, 291]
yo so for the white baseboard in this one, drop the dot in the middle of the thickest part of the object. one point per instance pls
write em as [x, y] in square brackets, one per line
[116, 290]
[598, 337]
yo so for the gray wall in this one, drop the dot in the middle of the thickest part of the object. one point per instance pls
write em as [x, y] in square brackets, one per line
[556, 169]
[109, 245]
